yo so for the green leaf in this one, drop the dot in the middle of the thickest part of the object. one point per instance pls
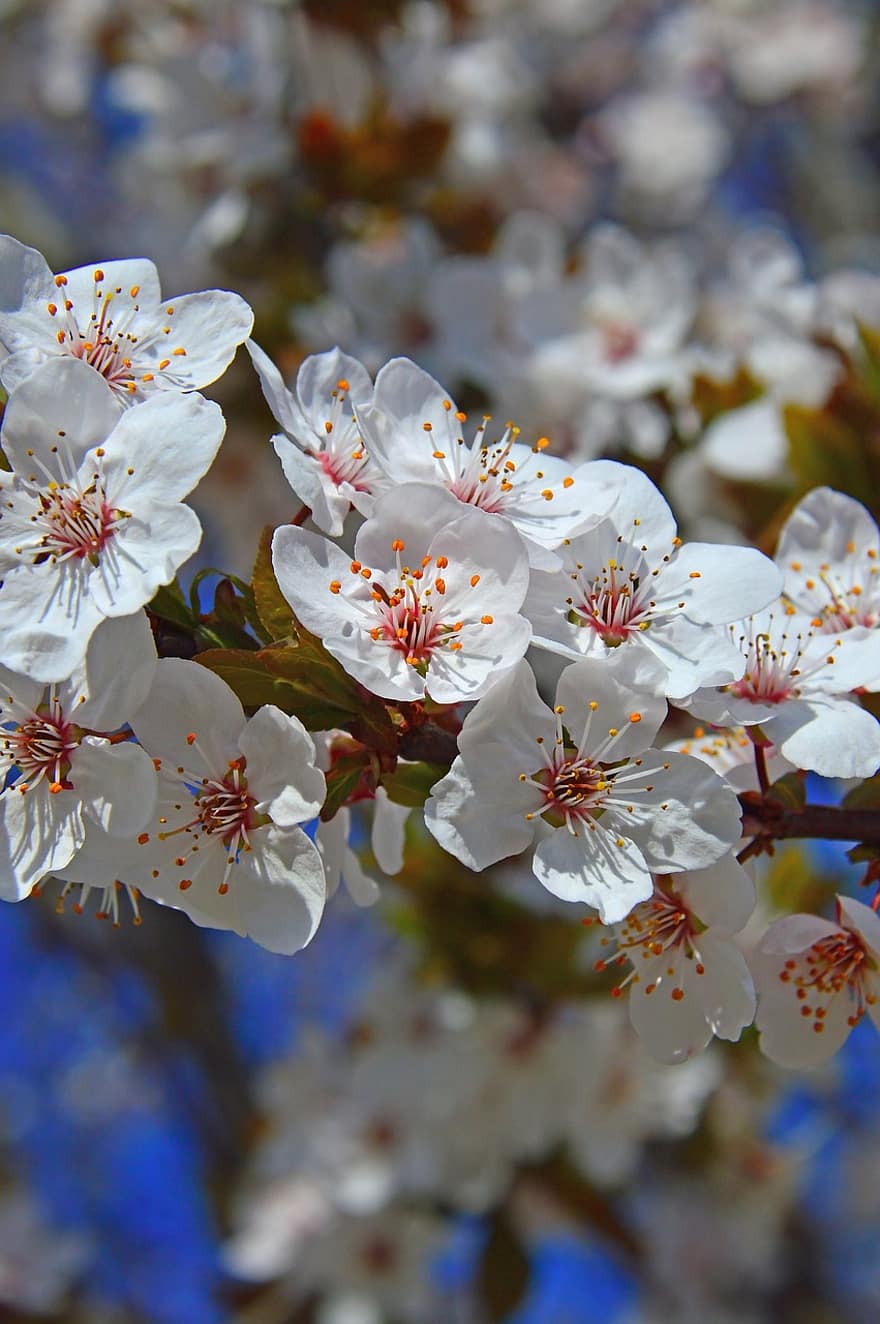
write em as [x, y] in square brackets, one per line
[169, 604]
[789, 791]
[825, 451]
[344, 776]
[864, 796]
[410, 783]
[273, 609]
[863, 854]
[303, 679]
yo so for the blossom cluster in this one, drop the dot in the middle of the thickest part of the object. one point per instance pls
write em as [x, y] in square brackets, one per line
[485, 570]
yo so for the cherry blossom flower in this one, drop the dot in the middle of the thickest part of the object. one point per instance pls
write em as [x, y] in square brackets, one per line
[816, 980]
[321, 451]
[62, 769]
[795, 687]
[225, 844]
[829, 552]
[430, 603]
[688, 981]
[414, 432]
[607, 338]
[92, 520]
[582, 780]
[628, 582]
[113, 317]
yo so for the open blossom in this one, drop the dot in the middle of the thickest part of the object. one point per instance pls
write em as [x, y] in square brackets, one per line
[224, 844]
[829, 552]
[92, 519]
[604, 807]
[795, 686]
[321, 450]
[627, 582]
[61, 772]
[430, 603]
[113, 317]
[816, 980]
[688, 981]
[415, 433]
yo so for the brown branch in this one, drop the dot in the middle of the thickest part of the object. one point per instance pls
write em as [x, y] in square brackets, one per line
[768, 820]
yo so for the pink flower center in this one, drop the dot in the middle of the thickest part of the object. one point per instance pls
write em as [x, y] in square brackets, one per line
[224, 808]
[619, 341]
[405, 610]
[41, 748]
[75, 525]
[225, 811]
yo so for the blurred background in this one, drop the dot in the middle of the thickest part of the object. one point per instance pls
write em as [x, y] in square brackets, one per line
[640, 228]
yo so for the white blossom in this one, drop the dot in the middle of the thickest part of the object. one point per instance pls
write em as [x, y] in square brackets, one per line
[225, 844]
[816, 980]
[829, 552]
[113, 317]
[415, 433]
[430, 603]
[92, 520]
[688, 981]
[796, 687]
[582, 780]
[321, 451]
[627, 582]
[62, 770]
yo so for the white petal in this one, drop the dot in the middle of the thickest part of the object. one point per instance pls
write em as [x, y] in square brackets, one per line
[276, 892]
[835, 739]
[116, 674]
[388, 832]
[699, 823]
[722, 896]
[478, 810]
[160, 449]
[39, 834]
[189, 699]
[146, 552]
[210, 326]
[594, 867]
[63, 404]
[117, 784]
[728, 584]
[281, 770]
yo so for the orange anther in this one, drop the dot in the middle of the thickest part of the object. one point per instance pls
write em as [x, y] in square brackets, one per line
[53, 308]
[398, 545]
[191, 738]
[335, 586]
[342, 385]
[475, 579]
[568, 482]
[163, 364]
[487, 620]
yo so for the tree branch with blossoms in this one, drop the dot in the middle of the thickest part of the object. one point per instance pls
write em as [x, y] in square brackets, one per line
[457, 622]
